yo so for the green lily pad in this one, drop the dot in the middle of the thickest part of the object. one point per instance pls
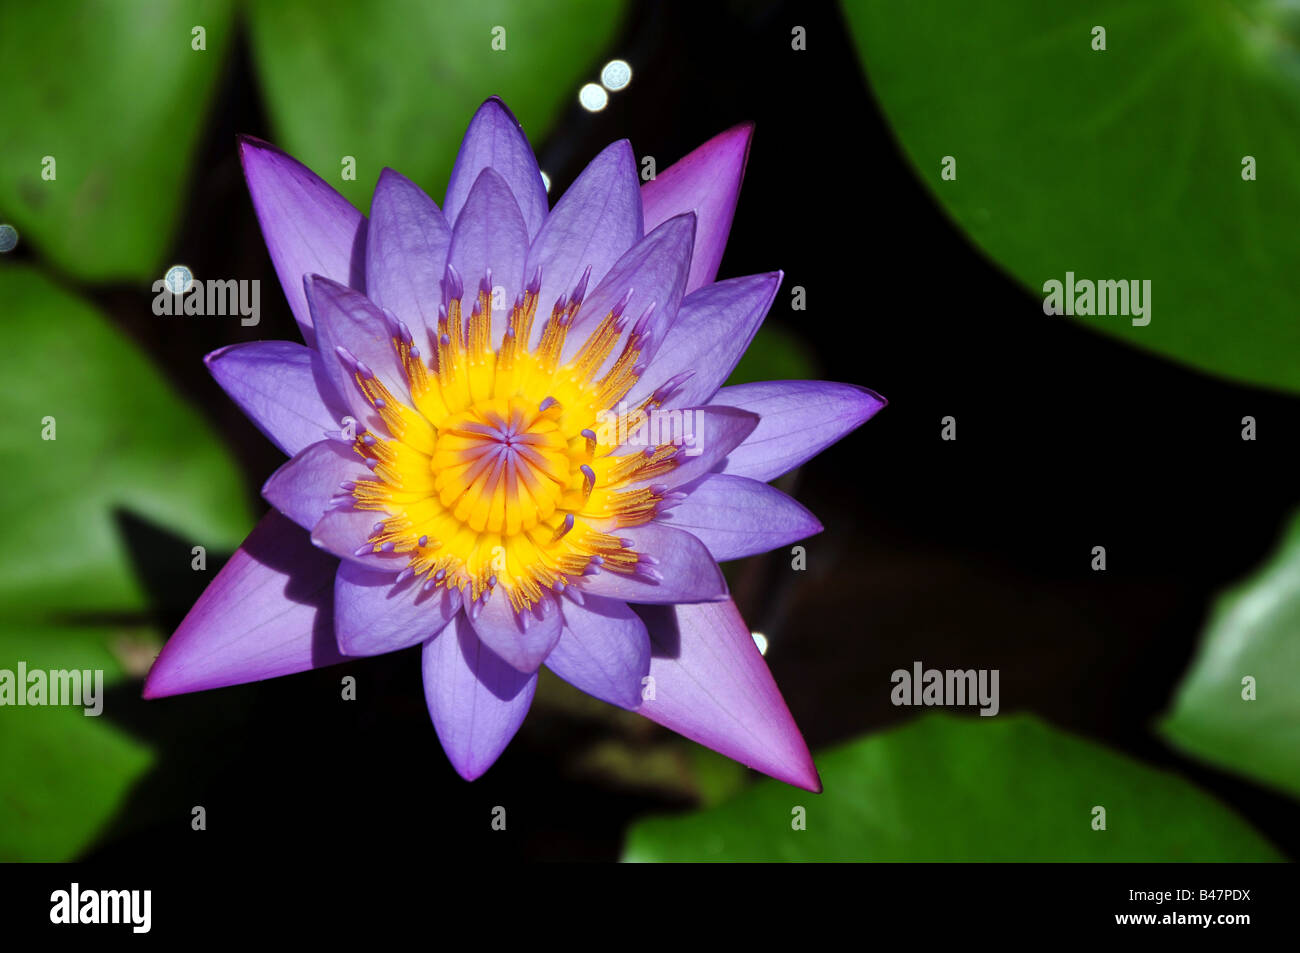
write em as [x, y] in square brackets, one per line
[115, 95]
[942, 788]
[122, 441]
[63, 773]
[1117, 164]
[395, 83]
[1249, 649]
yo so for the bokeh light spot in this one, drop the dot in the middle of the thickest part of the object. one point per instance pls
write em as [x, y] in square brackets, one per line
[593, 98]
[616, 75]
[178, 279]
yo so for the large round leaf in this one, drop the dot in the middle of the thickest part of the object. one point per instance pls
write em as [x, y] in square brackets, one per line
[395, 83]
[1122, 163]
[113, 93]
[123, 442]
[1239, 706]
[963, 789]
[63, 773]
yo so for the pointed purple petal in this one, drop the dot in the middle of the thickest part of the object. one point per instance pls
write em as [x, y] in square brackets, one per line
[689, 573]
[348, 319]
[712, 686]
[268, 612]
[595, 222]
[495, 140]
[374, 614]
[736, 517]
[303, 487]
[308, 227]
[707, 181]
[406, 251]
[275, 384]
[604, 651]
[712, 433]
[797, 420]
[713, 328]
[342, 532]
[651, 272]
[490, 234]
[477, 701]
[503, 631]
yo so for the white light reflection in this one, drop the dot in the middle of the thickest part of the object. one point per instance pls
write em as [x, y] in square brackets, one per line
[616, 75]
[593, 98]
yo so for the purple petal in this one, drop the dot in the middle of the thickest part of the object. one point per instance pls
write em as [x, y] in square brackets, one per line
[374, 614]
[736, 517]
[704, 439]
[714, 326]
[797, 420]
[308, 227]
[707, 181]
[302, 488]
[688, 573]
[603, 651]
[490, 234]
[495, 140]
[522, 646]
[477, 701]
[343, 532]
[276, 385]
[651, 272]
[348, 319]
[595, 222]
[406, 251]
[268, 612]
[712, 686]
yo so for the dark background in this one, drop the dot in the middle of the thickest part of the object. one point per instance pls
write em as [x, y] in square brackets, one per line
[973, 553]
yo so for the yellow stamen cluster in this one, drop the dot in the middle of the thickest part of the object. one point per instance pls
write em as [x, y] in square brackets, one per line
[500, 470]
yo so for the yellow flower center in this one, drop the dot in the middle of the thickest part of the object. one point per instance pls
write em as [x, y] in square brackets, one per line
[503, 465]
[501, 471]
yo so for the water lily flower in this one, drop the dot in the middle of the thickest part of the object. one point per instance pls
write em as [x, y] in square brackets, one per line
[474, 461]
